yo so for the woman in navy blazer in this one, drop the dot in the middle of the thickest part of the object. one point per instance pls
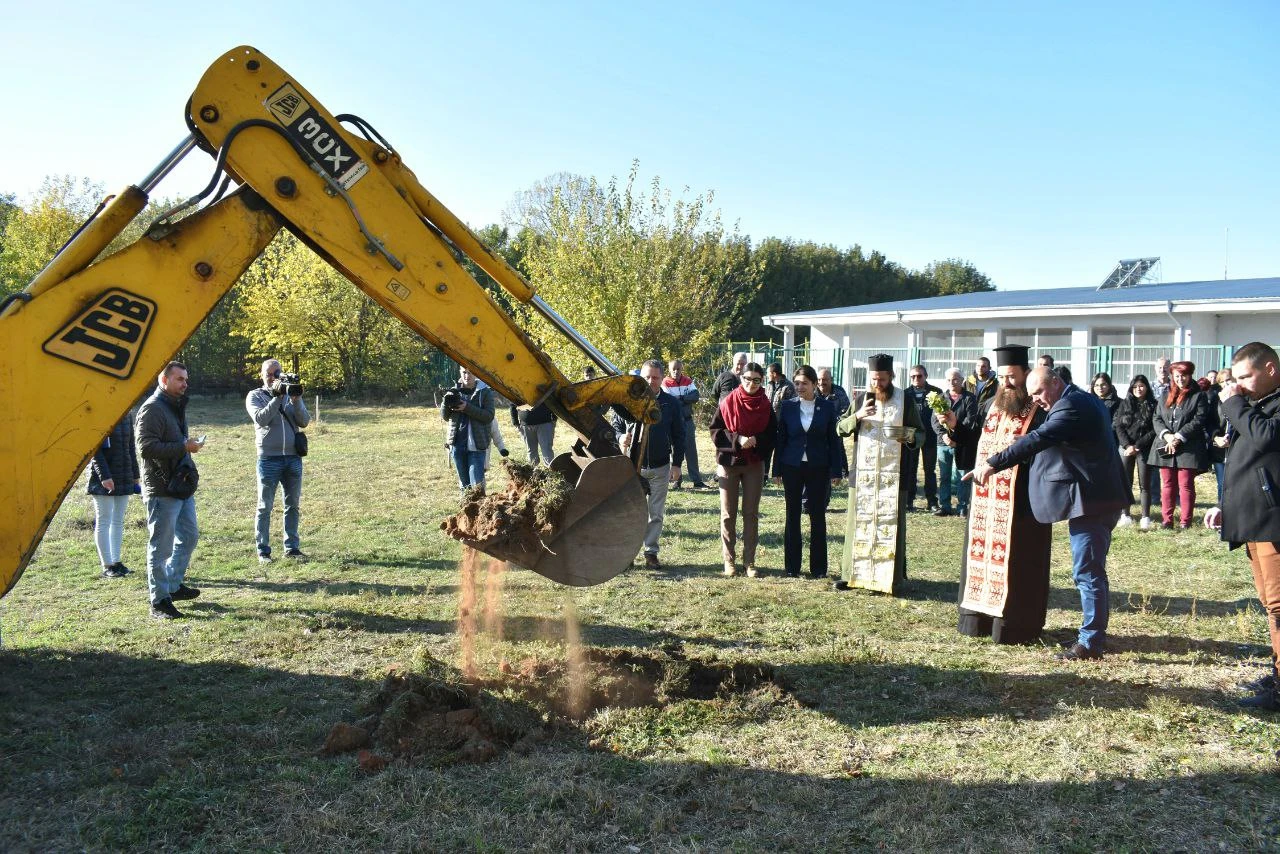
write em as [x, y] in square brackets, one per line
[806, 461]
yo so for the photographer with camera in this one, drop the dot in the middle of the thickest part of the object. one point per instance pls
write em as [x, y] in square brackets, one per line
[469, 409]
[279, 415]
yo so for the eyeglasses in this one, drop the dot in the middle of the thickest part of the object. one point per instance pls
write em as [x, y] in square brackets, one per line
[751, 379]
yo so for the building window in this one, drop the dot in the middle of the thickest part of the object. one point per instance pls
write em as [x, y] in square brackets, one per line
[1126, 352]
[1042, 342]
[949, 348]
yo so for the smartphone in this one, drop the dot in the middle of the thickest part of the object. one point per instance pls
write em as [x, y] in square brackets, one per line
[200, 438]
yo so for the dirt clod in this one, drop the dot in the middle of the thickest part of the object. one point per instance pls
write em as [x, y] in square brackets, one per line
[370, 762]
[344, 738]
[525, 516]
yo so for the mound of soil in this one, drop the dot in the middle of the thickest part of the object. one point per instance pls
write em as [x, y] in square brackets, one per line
[429, 716]
[526, 515]
[433, 716]
[627, 679]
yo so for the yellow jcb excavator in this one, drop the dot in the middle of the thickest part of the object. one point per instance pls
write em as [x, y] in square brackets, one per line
[87, 338]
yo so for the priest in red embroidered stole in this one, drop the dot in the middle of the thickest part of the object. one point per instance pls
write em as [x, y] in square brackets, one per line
[1004, 577]
[884, 427]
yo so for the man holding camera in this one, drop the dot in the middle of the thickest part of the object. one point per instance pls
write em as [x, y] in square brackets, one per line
[278, 414]
[468, 407]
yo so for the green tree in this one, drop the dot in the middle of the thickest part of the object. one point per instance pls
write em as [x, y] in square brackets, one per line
[638, 273]
[292, 303]
[35, 231]
[802, 275]
[957, 276]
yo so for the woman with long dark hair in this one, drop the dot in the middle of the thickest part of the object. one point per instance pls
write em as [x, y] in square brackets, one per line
[1180, 449]
[1135, 434]
[743, 431]
[806, 462]
[1105, 391]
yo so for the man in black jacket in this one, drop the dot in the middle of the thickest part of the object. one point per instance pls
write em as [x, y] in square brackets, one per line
[663, 455]
[1250, 513]
[1075, 475]
[165, 454]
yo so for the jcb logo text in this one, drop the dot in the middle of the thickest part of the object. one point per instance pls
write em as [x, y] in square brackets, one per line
[108, 335]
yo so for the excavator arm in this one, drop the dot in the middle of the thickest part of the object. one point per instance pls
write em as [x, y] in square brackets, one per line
[86, 339]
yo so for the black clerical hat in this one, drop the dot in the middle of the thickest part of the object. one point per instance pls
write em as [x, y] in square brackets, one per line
[880, 362]
[1012, 354]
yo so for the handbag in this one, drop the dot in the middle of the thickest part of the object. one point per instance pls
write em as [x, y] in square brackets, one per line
[299, 438]
[184, 481]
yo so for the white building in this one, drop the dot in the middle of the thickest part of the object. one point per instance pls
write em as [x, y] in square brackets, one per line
[1118, 330]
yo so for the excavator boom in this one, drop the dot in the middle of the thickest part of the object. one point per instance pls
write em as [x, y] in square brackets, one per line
[100, 332]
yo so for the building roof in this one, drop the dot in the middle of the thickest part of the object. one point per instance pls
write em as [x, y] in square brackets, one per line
[1213, 291]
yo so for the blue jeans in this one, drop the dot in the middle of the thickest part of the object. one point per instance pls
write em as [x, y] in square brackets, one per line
[470, 466]
[1219, 472]
[950, 480]
[172, 534]
[283, 471]
[1090, 542]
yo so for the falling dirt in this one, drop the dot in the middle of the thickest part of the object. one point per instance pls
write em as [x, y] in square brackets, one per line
[524, 516]
[467, 614]
[493, 599]
[434, 715]
[575, 661]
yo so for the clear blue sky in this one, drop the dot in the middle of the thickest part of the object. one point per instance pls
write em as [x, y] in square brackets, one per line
[1041, 141]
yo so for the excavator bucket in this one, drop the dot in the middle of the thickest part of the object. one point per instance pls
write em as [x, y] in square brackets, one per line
[600, 532]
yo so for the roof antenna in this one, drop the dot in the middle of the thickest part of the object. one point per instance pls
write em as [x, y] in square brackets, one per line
[1226, 255]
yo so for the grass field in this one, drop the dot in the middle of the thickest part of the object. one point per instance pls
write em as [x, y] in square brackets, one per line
[867, 721]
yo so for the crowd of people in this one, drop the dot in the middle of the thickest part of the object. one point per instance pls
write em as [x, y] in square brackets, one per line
[1010, 450]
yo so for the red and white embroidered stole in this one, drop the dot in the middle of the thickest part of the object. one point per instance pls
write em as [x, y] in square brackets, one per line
[991, 518]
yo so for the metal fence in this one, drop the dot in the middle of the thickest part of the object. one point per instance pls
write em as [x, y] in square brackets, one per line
[1124, 363]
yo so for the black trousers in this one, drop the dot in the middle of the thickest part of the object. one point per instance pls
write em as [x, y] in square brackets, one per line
[798, 483]
[1139, 460]
[911, 462]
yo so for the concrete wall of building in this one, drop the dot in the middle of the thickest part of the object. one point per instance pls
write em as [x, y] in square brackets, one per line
[1239, 329]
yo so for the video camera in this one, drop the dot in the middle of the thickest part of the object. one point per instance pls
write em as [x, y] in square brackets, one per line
[290, 384]
[449, 397]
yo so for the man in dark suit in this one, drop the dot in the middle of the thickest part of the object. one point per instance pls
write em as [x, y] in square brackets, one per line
[1075, 475]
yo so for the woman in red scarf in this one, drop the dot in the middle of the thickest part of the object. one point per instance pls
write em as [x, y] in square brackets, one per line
[744, 432]
[1181, 449]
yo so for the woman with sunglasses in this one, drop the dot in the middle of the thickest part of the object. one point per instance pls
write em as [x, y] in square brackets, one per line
[743, 431]
[806, 463]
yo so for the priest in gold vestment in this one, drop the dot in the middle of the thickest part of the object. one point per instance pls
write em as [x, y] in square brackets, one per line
[883, 427]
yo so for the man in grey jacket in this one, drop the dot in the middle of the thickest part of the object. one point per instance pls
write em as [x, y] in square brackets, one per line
[278, 413]
[168, 487]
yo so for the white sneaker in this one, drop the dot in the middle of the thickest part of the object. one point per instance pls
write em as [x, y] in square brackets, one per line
[1144, 523]
[1125, 521]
